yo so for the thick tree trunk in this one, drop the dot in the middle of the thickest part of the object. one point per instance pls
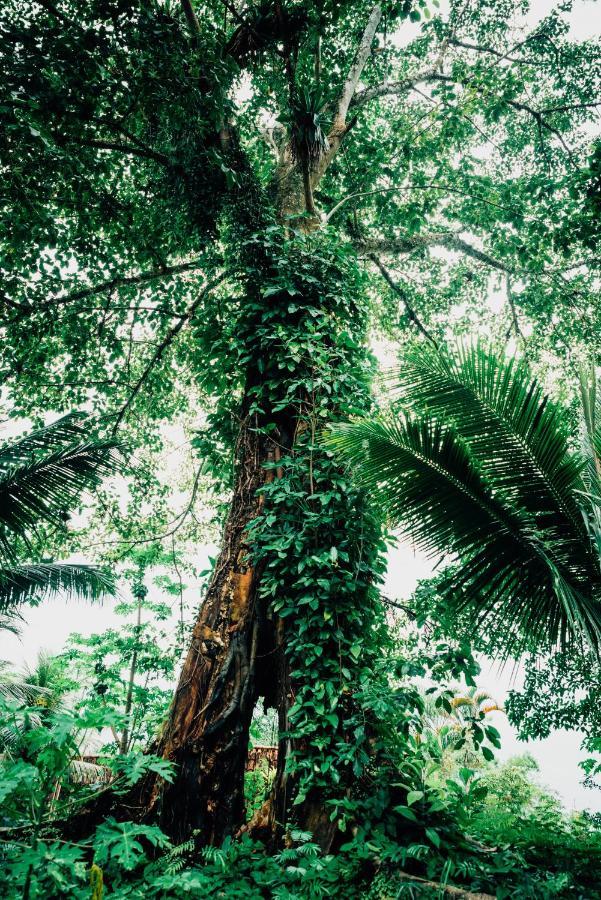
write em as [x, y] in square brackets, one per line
[238, 653]
[206, 735]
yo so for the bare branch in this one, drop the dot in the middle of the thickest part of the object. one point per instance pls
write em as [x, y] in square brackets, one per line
[193, 23]
[166, 342]
[397, 289]
[173, 526]
[567, 107]
[358, 194]
[443, 889]
[403, 606]
[361, 57]
[390, 88]
[541, 121]
[340, 127]
[501, 56]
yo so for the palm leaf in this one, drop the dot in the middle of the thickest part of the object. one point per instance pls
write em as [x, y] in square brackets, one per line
[426, 477]
[9, 621]
[22, 583]
[45, 487]
[591, 449]
[65, 431]
[16, 688]
[514, 430]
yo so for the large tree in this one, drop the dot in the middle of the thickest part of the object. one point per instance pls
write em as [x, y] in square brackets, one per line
[209, 206]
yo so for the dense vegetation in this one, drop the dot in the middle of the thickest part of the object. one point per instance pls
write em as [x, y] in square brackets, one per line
[218, 220]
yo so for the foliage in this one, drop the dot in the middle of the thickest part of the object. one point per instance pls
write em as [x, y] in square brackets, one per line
[561, 692]
[42, 476]
[477, 464]
[125, 671]
[409, 817]
[159, 272]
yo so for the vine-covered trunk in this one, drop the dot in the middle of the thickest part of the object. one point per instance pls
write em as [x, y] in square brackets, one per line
[289, 609]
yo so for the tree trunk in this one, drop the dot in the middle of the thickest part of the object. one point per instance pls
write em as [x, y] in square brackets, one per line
[239, 649]
[206, 735]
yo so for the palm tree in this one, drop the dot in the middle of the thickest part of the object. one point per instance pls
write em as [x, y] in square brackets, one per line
[442, 727]
[474, 702]
[477, 464]
[42, 476]
[40, 687]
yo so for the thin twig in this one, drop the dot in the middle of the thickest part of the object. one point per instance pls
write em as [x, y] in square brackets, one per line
[166, 342]
[413, 317]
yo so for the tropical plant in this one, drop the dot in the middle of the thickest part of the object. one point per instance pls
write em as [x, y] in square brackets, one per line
[126, 671]
[161, 270]
[477, 464]
[42, 476]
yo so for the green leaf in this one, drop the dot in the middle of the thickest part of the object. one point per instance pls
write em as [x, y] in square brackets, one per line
[433, 836]
[414, 796]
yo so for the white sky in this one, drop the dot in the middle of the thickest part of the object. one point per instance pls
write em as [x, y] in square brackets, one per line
[48, 626]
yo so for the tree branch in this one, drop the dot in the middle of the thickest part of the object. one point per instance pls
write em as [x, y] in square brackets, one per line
[339, 126]
[397, 87]
[514, 314]
[569, 106]
[361, 57]
[388, 88]
[444, 888]
[413, 317]
[166, 342]
[402, 606]
[481, 49]
[119, 147]
[112, 283]
[191, 16]
[446, 239]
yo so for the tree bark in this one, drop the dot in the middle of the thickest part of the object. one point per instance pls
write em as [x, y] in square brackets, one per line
[206, 735]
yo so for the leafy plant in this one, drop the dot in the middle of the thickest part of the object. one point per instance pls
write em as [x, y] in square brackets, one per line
[477, 464]
[42, 476]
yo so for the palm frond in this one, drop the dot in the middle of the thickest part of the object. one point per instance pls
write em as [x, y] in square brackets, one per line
[83, 772]
[16, 687]
[10, 621]
[22, 583]
[591, 433]
[66, 431]
[45, 487]
[426, 477]
[513, 429]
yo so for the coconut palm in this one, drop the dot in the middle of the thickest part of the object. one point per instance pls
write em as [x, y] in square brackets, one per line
[477, 464]
[40, 687]
[42, 476]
